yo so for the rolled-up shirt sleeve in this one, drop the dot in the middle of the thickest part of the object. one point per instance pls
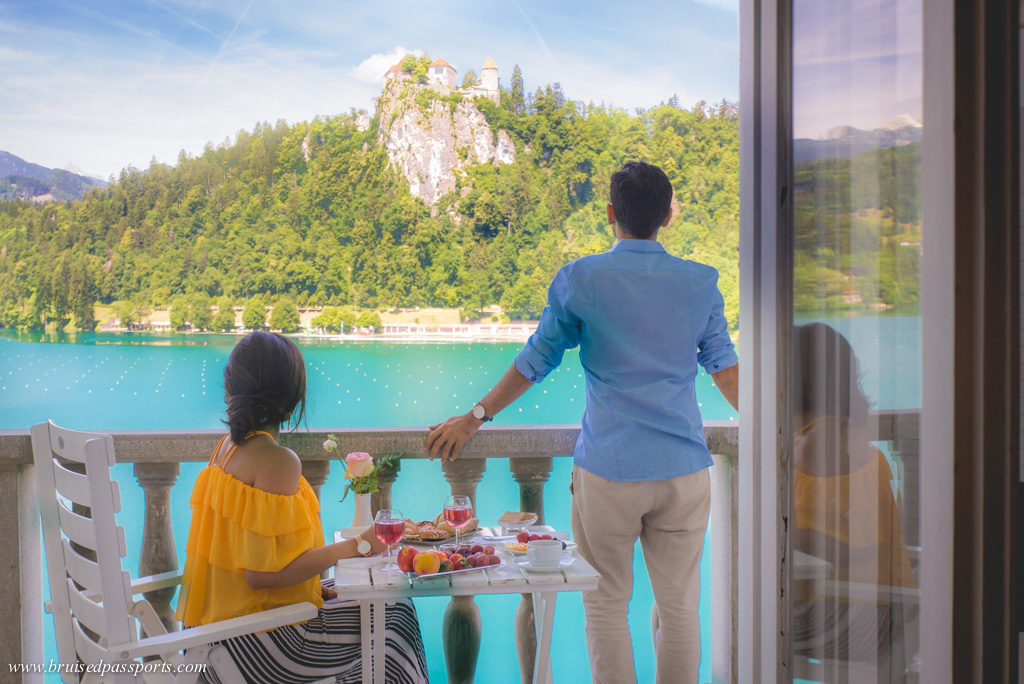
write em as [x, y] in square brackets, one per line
[715, 349]
[558, 330]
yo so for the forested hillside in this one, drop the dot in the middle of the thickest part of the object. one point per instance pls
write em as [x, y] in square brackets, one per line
[313, 212]
[857, 233]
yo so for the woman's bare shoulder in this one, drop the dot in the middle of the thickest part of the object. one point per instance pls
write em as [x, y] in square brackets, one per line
[277, 470]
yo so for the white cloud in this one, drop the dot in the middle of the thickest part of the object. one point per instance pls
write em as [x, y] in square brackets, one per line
[372, 69]
[730, 5]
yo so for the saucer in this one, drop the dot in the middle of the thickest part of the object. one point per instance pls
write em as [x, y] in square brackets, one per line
[564, 563]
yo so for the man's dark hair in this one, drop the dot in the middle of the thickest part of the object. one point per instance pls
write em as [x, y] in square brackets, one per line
[642, 197]
[264, 381]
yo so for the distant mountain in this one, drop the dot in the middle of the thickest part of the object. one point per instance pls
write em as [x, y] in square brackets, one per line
[20, 179]
[843, 142]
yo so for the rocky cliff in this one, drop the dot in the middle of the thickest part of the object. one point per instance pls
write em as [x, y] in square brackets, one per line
[431, 137]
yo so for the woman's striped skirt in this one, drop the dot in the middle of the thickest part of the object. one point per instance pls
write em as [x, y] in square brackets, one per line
[329, 646]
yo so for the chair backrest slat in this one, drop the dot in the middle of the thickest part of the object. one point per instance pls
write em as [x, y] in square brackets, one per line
[78, 528]
[88, 612]
[73, 486]
[88, 650]
[83, 570]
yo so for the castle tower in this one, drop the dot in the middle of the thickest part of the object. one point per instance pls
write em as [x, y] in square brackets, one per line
[489, 80]
[441, 72]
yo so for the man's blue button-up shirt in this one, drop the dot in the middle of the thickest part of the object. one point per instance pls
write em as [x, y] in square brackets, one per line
[643, 320]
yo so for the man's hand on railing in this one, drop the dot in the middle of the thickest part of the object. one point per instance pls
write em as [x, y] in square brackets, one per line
[450, 436]
[447, 439]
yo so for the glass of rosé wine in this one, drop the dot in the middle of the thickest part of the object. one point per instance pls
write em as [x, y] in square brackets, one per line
[457, 512]
[389, 526]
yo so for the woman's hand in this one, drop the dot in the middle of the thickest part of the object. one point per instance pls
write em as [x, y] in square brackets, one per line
[447, 439]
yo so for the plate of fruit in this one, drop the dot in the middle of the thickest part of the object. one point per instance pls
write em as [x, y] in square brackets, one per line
[434, 562]
[518, 545]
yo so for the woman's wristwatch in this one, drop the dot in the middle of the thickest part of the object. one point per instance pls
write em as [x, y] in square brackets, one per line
[363, 547]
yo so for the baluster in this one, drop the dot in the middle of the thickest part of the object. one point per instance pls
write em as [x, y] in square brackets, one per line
[530, 474]
[315, 473]
[461, 623]
[158, 553]
[386, 476]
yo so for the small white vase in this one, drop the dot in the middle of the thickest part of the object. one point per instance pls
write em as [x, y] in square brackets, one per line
[363, 518]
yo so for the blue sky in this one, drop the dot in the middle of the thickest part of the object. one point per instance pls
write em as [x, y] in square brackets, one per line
[855, 62]
[105, 84]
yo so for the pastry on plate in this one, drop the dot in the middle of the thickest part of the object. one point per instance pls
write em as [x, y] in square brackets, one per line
[443, 525]
[509, 518]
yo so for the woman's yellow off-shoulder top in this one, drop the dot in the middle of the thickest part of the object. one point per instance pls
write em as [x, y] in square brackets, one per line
[236, 527]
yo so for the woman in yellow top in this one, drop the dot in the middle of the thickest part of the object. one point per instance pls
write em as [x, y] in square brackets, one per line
[845, 514]
[256, 541]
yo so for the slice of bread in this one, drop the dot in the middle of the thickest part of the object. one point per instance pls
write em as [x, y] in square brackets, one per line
[513, 517]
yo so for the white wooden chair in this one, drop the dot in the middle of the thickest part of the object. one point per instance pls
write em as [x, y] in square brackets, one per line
[96, 617]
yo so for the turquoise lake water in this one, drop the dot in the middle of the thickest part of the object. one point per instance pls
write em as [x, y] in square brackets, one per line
[116, 382]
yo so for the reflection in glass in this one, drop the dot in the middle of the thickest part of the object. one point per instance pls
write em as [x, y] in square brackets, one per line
[856, 341]
[845, 516]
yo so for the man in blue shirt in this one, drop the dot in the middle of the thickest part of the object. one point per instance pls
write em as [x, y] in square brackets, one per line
[643, 320]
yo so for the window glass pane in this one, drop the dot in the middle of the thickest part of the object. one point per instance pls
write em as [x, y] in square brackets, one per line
[856, 338]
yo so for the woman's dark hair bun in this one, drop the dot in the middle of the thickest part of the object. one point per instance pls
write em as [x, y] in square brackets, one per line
[264, 381]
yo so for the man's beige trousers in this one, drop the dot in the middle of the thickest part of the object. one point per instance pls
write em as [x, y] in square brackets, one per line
[670, 518]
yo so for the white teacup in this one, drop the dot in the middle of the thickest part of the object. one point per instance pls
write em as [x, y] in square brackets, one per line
[544, 553]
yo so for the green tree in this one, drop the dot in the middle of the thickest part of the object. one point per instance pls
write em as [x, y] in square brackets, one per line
[178, 313]
[328, 319]
[224, 319]
[347, 319]
[199, 315]
[369, 319]
[125, 313]
[254, 315]
[284, 316]
[516, 98]
[469, 79]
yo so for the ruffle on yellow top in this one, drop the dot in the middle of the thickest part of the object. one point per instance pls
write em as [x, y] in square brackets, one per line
[237, 527]
[856, 510]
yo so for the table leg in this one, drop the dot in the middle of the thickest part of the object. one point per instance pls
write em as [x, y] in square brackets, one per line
[544, 619]
[379, 637]
[364, 638]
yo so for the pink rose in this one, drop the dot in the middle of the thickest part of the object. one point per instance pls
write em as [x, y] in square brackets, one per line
[358, 464]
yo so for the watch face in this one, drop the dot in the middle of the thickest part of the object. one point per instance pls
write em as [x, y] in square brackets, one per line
[363, 546]
[478, 412]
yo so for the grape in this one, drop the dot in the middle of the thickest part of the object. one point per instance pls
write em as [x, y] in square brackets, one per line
[476, 549]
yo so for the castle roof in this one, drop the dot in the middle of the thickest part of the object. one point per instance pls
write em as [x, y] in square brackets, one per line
[489, 64]
[441, 62]
[397, 66]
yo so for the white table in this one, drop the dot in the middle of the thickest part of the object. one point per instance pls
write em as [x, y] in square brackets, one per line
[362, 579]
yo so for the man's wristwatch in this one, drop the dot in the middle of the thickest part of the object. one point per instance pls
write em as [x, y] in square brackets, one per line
[480, 413]
[362, 546]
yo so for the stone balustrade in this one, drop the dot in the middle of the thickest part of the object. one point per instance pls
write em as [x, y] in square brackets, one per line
[530, 451]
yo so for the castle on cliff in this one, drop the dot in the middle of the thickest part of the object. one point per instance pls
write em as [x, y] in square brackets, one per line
[441, 77]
